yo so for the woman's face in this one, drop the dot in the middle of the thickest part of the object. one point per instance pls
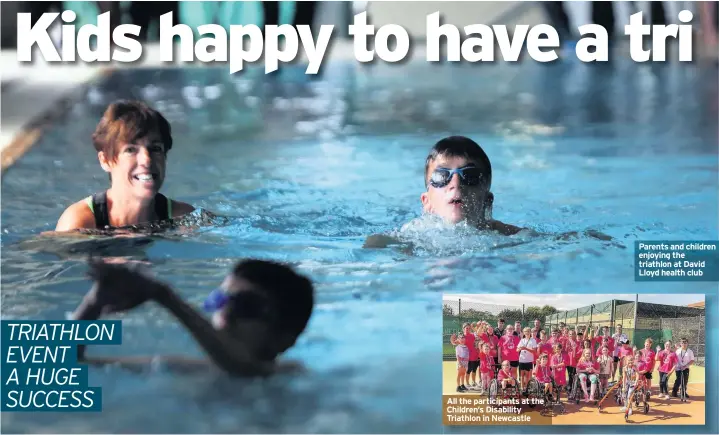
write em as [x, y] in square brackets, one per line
[647, 345]
[587, 354]
[139, 168]
[668, 346]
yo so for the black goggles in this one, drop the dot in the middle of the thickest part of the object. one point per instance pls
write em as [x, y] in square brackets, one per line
[469, 176]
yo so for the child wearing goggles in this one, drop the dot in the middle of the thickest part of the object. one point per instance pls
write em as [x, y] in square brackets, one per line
[257, 313]
[458, 177]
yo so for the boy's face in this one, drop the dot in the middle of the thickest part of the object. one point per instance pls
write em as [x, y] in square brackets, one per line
[251, 321]
[456, 201]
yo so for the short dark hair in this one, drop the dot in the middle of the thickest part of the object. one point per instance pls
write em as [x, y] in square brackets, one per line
[293, 292]
[460, 146]
[127, 121]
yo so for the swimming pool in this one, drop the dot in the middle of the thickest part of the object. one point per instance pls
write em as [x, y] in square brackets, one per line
[307, 168]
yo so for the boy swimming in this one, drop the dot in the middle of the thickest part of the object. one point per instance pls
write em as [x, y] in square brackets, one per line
[257, 313]
[458, 181]
[466, 196]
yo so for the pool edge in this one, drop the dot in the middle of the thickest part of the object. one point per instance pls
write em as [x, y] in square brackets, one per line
[35, 126]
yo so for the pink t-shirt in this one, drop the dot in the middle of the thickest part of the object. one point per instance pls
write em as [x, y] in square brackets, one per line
[486, 363]
[640, 366]
[508, 346]
[624, 351]
[545, 348]
[483, 338]
[583, 366]
[598, 353]
[502, 375]
[667, 361]
[649, 358]
[599, 341]
[559, 365]
[469, 340]
[573, 350]
[493, 347]
[542, 374]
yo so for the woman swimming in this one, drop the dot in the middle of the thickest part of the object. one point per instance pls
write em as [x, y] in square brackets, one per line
[132, 141]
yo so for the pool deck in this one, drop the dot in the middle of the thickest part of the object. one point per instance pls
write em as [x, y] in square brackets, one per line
[39, 92]
[35, 94]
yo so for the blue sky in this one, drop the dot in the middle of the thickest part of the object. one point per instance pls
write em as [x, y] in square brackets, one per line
[567, 301]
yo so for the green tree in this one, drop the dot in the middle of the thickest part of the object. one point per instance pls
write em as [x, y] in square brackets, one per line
[510, 315]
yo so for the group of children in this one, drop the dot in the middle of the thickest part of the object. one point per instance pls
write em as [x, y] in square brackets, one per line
[515, 355]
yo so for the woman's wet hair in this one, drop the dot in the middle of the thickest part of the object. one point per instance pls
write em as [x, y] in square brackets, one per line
[127, 121]
[292, 294]
[460, 146]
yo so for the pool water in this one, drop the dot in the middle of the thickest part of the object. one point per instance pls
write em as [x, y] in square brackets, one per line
[305, 168]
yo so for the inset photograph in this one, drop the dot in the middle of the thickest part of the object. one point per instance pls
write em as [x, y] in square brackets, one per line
[573, 359]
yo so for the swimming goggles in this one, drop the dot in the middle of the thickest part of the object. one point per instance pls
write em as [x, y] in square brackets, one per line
[216, 300]
[468, 175]
[247, 304]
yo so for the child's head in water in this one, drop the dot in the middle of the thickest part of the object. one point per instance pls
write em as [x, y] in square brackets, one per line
[266, 304]
[458, 178]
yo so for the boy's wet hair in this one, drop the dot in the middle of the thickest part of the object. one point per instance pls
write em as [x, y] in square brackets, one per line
[292, 293]
[128, 121]
[460, 146]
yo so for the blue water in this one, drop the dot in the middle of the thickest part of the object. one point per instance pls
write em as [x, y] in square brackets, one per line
[306, 168]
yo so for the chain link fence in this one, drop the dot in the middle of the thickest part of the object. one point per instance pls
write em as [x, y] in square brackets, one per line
[457, 312]
[640, 321]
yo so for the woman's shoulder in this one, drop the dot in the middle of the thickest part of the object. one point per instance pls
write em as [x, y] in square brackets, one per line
[76, 216]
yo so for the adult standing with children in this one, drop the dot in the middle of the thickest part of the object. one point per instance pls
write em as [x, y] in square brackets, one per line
[685, 359]
[527, 348]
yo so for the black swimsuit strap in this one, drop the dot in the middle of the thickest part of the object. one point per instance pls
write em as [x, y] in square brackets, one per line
[102, 215]
[99, 209]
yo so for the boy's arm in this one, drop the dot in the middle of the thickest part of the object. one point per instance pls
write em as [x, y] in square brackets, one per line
[124, 287]
[226, 352]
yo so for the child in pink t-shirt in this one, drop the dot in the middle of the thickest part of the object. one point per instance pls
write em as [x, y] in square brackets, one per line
[649, 359]
[586, 368]
[667, 364]
[558, 364]
[573, 349]
[486, 366]
[623, 351]
[544, 346]
[543, 373]
[508, 349]
[504, 376]
[606, 366]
